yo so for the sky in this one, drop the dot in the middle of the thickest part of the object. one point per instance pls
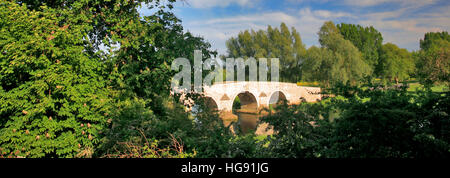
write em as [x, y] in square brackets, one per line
[402, 22]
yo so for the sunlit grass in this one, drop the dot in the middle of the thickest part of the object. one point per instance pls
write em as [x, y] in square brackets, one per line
[437, 88]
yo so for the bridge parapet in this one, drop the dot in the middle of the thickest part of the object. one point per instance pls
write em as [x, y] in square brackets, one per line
[224, 93]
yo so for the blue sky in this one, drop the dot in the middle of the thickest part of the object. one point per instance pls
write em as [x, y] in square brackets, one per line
[402, 22]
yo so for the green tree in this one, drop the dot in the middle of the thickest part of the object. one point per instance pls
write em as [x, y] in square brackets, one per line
[300, 132]
[368, 41]
[433, 64]
[71, 72]
[392, 123]
[142, 72]
[317, 64]
[396, 63]
[144, 68]
[363, 122]
[54, 98]
[341, 61]
[280, 43]
[431, 38]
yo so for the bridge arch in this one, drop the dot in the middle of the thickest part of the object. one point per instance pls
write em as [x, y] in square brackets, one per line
[276, 98]
[224, 93]
[210, 103]
[248, 101]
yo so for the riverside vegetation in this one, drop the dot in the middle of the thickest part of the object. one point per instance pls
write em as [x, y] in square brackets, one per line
[91, 79]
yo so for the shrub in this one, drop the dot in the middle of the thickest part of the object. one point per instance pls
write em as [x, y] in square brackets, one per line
[54, 100]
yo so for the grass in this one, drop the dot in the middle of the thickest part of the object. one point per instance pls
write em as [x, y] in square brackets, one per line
[438, 88]
[261, 138]
[414, 85]
[308, 84]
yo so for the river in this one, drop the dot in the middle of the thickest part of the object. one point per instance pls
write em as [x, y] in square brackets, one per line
[247, 122]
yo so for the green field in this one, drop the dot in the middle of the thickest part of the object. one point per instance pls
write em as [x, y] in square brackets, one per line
[437, 88]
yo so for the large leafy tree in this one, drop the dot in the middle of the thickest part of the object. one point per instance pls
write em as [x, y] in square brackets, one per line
[279, 43]
[397, 63]
[431, 38]
[144, 69]
[317, 65]
[143, 74]
[338, 60]
[54, 100]
[433, 64]
[368, 40]
[68, 69]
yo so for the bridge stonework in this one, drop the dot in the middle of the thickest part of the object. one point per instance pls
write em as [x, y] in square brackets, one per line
[224, 93]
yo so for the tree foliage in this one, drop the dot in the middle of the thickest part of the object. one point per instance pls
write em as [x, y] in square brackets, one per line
[91, 79]
[368, 40]
[54, 99]
[396, 63]
[363, 123]
[431, 38]
[72, 70]
[433, 63]
[338, 59]
[282, 43]
[317, 65]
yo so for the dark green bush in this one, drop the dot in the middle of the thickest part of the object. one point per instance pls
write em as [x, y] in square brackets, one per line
[364, 123]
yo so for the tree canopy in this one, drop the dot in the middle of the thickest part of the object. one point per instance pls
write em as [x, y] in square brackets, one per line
[432, 38]
[282, 43]
[338, 60]
[368, 40]
[54, 98]
[69, 70]
[396, 63]
[433, 63]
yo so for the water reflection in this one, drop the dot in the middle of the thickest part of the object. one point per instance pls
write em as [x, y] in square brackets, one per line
[248, 122]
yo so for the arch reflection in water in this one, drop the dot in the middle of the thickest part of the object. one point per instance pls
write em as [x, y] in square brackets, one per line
[245, 106]
[276, 98]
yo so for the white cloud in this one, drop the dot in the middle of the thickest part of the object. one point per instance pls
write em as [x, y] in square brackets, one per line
[404, 33]
[218, 30]
[404, 26]
[365, 3]
[403, 3]
[218, 3]
[306, 21]
[255, 18]
[329, 14]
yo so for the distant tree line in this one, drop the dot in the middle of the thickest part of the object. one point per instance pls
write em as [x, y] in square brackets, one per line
[347, 53]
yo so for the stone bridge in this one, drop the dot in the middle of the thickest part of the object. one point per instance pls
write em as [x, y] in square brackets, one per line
[255, 95]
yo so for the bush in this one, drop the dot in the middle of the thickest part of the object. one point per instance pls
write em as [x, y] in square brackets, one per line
[392, 123]
[363, 123]
[54, 100]
[301, 131]
[149, 149]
